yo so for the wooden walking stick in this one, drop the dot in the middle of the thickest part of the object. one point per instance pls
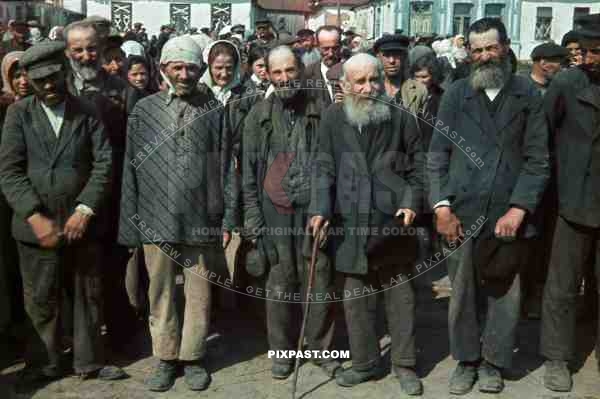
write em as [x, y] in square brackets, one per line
[311, 277]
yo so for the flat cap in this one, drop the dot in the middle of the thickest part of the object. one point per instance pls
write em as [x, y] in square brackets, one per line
[43, 59]
[238, 26]
[589, 26]
[391, 42]
[548, 50]
[570, 37]
[262, 22]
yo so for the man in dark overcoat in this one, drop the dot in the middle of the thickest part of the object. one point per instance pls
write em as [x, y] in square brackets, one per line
[573, 108]
[279, 139]
[330, 47]
[370, 172]
[56, 168]
[488, 167]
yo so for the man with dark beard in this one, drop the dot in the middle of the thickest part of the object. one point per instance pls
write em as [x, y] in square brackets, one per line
[487, 168]
[370, 175]
[573, 108]
[280, 137]
[87, 80]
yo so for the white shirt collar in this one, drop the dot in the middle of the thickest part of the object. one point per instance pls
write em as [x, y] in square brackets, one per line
[56, 116]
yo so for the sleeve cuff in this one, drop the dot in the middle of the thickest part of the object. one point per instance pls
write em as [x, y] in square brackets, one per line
[86, 210]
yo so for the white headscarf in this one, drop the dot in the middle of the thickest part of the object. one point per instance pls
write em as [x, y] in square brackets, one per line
[131, 47]
[180, 49]
[222, 93]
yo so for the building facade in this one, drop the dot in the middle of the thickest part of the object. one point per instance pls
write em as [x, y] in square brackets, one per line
[544, 21]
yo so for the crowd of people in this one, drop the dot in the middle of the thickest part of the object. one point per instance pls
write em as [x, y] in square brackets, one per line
[118, 151]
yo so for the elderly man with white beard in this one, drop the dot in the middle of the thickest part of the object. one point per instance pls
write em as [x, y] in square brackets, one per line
[369, 177]
[487, 167]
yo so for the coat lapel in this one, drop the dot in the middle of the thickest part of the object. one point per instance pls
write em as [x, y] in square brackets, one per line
[514, 103]
[42, 129]
[71, 124]
[588, 97]
[351, 138]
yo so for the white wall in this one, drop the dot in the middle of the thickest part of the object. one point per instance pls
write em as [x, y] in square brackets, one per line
[562, 22]
[153, 14]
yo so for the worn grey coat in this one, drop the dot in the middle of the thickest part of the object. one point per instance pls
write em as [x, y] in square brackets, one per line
[42, 173]
[364, 187]
[484, 166]
[573, 109]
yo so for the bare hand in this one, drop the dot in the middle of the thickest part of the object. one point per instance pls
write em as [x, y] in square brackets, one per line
[226, 239]
[76, 226]
[45, 230]
[409, 215]
[447, 224]
[508, 224]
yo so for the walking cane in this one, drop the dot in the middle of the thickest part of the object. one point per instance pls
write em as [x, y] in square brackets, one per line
[311, 277]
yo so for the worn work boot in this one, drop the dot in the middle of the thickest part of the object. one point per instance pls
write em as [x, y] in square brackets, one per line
[106, 373]
[330, 367]
[463, 378]
[351, 377]
[163, 376]
[557, 377]
[196, 376]
[409, 382]
[282, 370]
[490, 378]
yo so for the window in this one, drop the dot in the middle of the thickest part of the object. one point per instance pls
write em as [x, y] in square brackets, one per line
[421, 17]
[462, 18]
[579, 12]
[543, 23]
[494, 11]
[378, 21]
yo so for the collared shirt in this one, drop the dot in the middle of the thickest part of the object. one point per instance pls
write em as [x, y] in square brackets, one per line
[56, 116]
[324, 69]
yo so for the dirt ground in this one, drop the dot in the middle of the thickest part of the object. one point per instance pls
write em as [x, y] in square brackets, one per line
[240, 369]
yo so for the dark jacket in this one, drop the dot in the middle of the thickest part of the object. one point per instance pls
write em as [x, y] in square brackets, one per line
[364, 187]
[243, 98]
[573, 109]
[42, 173]
[176, 173]
[316, 85]
[258, 132]
[484, 166]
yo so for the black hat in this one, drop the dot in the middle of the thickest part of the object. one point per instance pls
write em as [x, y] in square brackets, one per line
[391, 42]
[570, 37]
[43, 59]
[548, 50]
[589, 26]
[238, 26]
[262, 22]
[305, 32]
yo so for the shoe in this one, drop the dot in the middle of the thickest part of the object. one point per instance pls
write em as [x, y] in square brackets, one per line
[351, 377]
[409, 382]
[557, 377]
[330, 367]
[196, 376]
[163, 377]
[490, 378]
[281, 370]
[463, 378]
[106, 373]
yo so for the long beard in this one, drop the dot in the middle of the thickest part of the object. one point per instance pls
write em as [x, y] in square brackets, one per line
[363, 111]
[287, 91]
[85, 72]
[491, 75]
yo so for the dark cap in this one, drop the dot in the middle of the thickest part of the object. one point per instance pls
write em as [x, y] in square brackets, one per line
[238, 26]
[391, 42]
[43, 59]
[589, 26]
[570, 37]
[262, 22]
[548, 50]
[305, 32]
[285, 39]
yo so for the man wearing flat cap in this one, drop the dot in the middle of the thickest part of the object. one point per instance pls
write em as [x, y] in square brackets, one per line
[548, 59]
[177, 198]
[263, 32]
[305, 44]
[56, 168]
[573, 109]
[392, 51]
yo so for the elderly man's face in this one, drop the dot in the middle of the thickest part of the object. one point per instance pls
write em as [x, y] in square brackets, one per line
[363, 82]
[486, 48]
[82, 46]
[51, 90]
[284, 73]
[183, 76]
[330, 47]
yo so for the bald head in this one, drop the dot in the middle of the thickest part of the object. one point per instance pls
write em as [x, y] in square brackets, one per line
[284, 69]
[362, 73]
